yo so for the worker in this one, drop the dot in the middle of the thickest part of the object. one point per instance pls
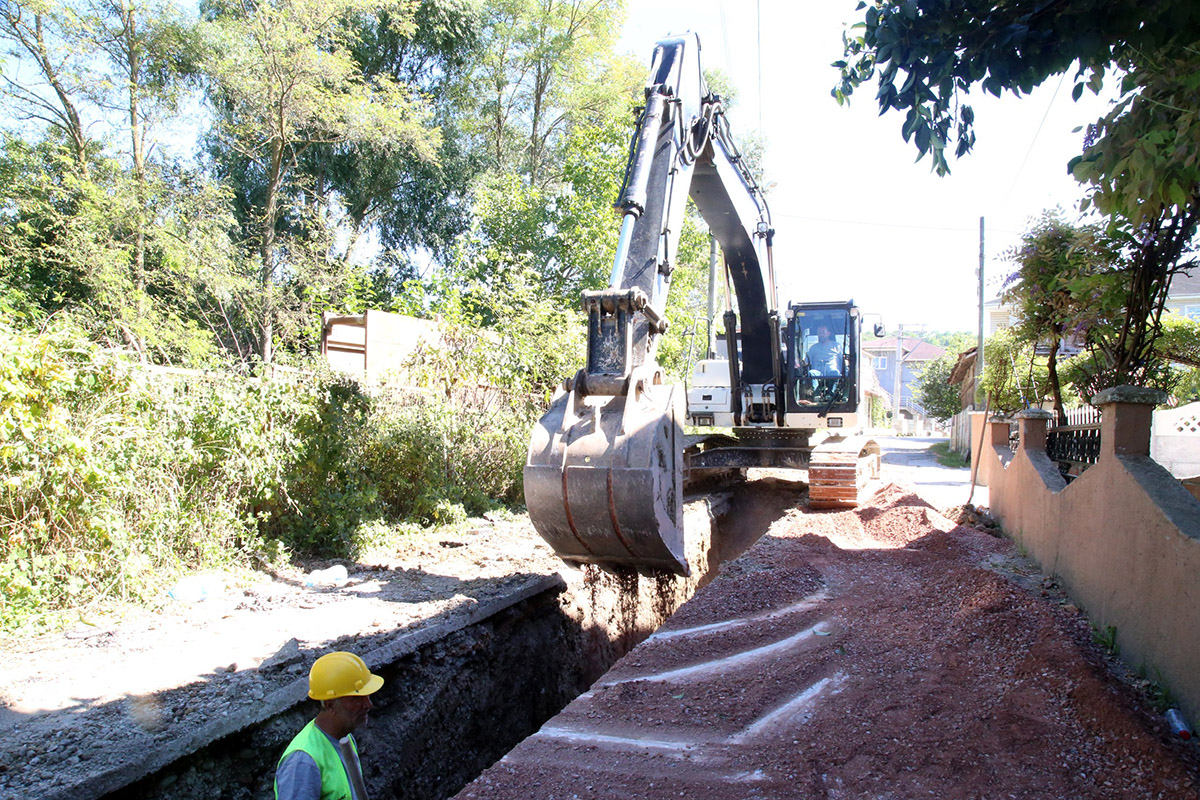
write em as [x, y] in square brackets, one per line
[825, 357]
[322, 762]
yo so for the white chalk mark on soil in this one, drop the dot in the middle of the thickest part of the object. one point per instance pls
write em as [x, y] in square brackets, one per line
[789, 709]
[587, 737]
[705, 668]
[807, 604]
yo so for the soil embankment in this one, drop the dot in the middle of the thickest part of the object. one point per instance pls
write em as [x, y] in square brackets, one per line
[883, 652]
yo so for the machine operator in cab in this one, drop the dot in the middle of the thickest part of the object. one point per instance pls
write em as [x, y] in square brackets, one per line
[825, 357]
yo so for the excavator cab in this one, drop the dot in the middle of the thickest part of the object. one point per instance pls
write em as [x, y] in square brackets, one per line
[822, 365]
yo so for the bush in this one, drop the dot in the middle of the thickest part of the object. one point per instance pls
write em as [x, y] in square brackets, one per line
[100, 492]
[437, 461]
[115, 478]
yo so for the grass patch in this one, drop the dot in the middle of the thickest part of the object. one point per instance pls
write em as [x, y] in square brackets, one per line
[947, 457]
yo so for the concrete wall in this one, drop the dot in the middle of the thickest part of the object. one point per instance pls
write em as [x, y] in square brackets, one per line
[1176, 440]
[1124, 537]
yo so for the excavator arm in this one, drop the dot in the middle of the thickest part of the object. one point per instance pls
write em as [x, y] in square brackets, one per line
[604, 476]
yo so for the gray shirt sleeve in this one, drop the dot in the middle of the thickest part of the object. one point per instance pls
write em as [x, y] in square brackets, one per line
[298, 778]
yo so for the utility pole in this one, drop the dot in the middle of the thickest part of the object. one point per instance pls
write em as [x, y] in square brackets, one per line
[979, 340]
[896, 379]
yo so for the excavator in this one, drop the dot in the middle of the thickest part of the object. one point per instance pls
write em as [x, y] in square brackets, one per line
[609, 461]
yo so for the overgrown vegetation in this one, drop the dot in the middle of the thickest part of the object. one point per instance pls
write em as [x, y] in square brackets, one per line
[116, 477]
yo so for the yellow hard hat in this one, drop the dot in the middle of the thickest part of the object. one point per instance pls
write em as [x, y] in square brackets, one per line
[340, 674]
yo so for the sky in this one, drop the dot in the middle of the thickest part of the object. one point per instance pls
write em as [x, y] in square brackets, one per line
[855, 217]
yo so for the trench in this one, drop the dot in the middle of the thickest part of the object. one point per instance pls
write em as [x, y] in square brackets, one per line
[456, 705]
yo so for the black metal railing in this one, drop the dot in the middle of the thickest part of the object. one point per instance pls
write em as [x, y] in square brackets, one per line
[1074, 442]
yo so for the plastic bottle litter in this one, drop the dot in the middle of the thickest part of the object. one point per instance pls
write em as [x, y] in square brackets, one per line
[196, 588]
[1179, 725]
[334, 576]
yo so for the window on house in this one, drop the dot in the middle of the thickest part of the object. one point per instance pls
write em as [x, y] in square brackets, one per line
[879, 362]
[1192, 312]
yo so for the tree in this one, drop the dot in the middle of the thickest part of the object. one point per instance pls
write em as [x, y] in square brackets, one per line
[407, 202]
[282, 80]
[1067, 283]
[940, 399]
[152, 53]
[47, 35]
[928, 54]
[68, 249]
[546, 66]
[1139, 160]
[1012, 377]
[556, 135]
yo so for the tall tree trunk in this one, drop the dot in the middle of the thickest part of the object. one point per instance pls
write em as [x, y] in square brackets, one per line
[137, 149]
[1052, 373]
[267, 251]
[70, 115]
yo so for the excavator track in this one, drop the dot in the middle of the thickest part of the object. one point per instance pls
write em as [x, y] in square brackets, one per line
[843, 471]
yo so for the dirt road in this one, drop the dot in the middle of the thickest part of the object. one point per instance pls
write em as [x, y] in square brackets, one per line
[877, 653]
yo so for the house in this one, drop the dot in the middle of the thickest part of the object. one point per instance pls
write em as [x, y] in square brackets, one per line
[913, 354]
[1183, 299]
[963, 375]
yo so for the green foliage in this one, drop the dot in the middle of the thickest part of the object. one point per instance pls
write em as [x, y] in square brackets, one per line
[1066, 280]
[564, 232]
[1140, 157]
[1187, 386]
[953, 342]
[940, 399]
[1069, 282]
[546, 67]
[1180, 340]
[1012, 377]
[947, 457]
[928, 57]
[69, 245]
[1107, 638]
[1139, 160]
[97, 492]
[283, 79]
[436, 461]
[687, 300]
[116, 477]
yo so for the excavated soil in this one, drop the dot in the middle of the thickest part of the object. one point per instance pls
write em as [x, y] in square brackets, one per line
[885, 652]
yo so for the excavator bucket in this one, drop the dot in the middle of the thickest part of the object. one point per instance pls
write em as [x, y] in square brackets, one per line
[604, 478]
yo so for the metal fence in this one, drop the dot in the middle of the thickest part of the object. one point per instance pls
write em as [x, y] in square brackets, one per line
[1074, 442]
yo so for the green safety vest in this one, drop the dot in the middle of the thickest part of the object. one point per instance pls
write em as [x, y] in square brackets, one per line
[335, 783]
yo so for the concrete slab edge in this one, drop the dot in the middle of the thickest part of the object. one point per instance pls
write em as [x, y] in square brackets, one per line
[294, 693]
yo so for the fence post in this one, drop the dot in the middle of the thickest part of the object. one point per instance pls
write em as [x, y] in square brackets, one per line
[1126, 414]
[1033, 422]
[998, 432]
